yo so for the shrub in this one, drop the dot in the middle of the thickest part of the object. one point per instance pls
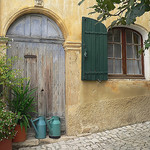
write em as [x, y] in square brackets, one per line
[7, 122]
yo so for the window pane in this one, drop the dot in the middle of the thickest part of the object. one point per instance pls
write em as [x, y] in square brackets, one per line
[130, 69]
[137, 66]
[110, 50]
[136, 51]
[136, 38]
[140, 66]
[118, 66]
[110, 36]
[129, 51]
[117, 35]
[117, 50]
[128, 36]
[110, 65]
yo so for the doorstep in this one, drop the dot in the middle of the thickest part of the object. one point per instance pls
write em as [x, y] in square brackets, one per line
[32, 141]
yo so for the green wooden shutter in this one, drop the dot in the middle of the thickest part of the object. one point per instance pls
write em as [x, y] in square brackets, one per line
[94, 50]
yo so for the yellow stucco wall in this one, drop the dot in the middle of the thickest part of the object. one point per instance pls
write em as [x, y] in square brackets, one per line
[90, 106]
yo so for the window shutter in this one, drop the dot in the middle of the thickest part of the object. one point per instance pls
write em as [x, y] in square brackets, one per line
[94, 50]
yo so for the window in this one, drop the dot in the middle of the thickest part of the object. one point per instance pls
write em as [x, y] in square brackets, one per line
[124, 59]
[113, 53]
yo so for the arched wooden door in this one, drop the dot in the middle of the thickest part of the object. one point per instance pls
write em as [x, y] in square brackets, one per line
[37, 40]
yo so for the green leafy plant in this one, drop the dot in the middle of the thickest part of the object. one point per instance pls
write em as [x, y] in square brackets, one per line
[147, 42]
[125, 12]
[7, 122]
[11, 79]
[22, 103]
[8, 77]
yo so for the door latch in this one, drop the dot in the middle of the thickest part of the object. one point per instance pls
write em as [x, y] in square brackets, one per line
[85, 54]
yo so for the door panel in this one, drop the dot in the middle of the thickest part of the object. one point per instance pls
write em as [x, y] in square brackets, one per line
[42, 60]
[35, 25]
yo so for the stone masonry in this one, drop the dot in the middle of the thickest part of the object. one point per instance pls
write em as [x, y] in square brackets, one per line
[132, 137]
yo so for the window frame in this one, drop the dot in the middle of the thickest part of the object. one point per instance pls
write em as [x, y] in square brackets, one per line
[124, 74]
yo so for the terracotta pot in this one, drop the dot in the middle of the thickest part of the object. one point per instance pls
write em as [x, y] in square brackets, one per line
[20, 135]
[6, 144]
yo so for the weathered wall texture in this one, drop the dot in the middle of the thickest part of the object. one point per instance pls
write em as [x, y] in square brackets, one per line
[90, 106]
[108, 105]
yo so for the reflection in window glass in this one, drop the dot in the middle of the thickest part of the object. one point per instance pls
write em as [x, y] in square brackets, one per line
[118, 66]
[128, 36]
[117, 50]
[110, 36]
[140, 66]
[116, 35]
[136, 51]
[137, 67]
[130, 67]
[110, 65]
[136, 38]
[129, 51]
[110, 50]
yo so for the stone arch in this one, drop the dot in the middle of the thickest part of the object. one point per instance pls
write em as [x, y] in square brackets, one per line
[43, 11]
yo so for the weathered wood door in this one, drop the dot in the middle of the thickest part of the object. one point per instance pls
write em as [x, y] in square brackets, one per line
[37, 40]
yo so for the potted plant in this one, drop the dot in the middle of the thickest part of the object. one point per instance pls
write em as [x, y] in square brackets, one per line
[22, 100]
[22, 103]
[9, 78]
[7, 125]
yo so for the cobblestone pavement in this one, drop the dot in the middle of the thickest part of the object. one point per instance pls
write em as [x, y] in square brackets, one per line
[134, 137]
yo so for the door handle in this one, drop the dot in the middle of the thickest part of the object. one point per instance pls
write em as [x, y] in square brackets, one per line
[85, 54]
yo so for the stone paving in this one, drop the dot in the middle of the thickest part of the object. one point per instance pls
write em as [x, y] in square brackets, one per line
[133, 137]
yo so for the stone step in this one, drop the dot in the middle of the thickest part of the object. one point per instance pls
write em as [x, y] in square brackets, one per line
[32, 141]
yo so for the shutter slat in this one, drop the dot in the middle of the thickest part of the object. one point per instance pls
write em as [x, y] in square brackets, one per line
[94, 50]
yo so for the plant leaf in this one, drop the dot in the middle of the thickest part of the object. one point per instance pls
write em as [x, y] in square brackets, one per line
[81, 2]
